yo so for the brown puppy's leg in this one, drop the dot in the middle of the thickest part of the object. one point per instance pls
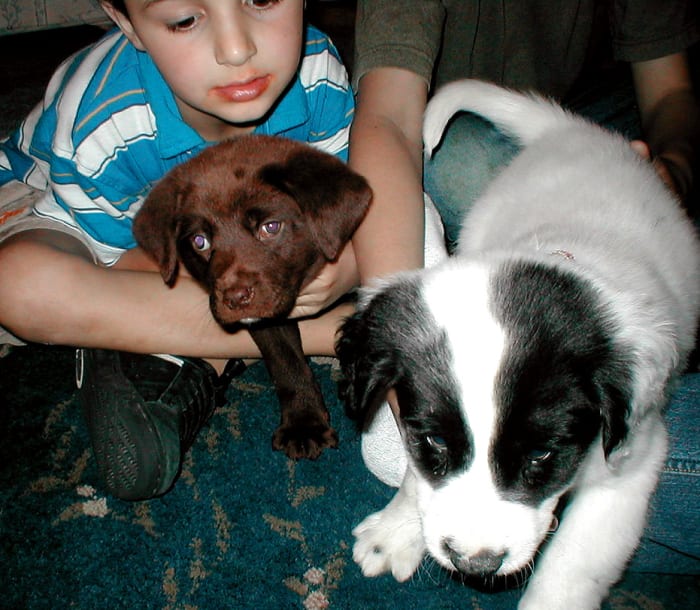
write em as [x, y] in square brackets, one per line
[304, 429]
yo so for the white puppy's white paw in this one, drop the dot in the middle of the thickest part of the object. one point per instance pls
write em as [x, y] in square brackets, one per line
[577, 595]
[553, 588]
[390, 540]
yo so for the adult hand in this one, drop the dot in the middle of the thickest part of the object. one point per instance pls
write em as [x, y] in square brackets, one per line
[664, 167]
[670, 116]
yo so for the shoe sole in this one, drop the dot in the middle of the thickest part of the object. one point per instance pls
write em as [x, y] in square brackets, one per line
[134, 460]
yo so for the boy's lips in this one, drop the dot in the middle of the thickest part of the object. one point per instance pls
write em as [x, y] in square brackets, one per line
[244, 91]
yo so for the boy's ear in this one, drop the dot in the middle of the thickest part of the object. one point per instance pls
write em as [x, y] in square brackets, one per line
[123, 22]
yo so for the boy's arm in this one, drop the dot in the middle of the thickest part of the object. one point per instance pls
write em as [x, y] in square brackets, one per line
[386, 148]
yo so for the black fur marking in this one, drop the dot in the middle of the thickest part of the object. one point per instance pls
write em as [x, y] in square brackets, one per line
[395, 342]
[562, 381]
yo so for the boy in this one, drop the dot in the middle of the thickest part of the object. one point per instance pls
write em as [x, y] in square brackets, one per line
[176, 76]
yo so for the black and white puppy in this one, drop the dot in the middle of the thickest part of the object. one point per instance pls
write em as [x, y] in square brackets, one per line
[533, 366]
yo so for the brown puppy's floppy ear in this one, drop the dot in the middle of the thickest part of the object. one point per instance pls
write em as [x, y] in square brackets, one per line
[334, 198]
[157, 224]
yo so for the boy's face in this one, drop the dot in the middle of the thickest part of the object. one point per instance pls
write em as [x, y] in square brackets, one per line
[226, 61]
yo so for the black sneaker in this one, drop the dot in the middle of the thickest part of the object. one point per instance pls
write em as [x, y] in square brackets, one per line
[143, 414]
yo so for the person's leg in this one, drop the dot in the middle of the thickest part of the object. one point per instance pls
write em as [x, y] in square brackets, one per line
[143, 412]
[471, 154]
[671, 541]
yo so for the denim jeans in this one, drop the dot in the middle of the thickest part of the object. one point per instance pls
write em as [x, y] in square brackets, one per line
[470, 156]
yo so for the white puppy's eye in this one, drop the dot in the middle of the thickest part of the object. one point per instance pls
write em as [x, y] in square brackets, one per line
[538, 456]
[436, 443]
[439, 458]
[200, 242]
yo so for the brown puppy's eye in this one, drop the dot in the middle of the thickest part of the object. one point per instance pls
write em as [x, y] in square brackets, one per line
[271, 228]
[200, 242]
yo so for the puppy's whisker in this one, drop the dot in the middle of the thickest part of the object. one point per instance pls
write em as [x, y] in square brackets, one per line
[432, 570]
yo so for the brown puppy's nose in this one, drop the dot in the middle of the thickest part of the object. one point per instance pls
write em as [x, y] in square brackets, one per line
[240, 296]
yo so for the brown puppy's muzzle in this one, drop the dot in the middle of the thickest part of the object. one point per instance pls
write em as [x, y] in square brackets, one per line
[238, 297]
[241, 295]
[235, 288]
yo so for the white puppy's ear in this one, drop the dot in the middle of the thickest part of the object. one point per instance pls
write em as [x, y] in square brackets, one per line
[369, 366]
[612, 386]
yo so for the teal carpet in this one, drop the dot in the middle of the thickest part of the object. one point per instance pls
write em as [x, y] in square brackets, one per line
[244, 527]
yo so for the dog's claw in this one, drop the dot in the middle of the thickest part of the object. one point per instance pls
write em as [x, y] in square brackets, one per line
[301, 440]
[389, 541]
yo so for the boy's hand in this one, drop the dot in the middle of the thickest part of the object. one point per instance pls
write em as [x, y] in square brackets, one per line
[334, 280]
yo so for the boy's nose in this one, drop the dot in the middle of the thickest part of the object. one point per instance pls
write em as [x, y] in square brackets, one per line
[233, 46]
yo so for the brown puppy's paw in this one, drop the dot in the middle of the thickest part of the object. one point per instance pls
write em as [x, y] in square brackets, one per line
[304, 437]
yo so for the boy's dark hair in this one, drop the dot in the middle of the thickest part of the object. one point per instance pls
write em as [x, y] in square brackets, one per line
[118, 4]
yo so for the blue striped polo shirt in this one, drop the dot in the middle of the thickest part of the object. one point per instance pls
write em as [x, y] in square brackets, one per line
[109, 128]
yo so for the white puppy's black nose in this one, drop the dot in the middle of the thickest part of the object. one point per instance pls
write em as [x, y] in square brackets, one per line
[483, 563]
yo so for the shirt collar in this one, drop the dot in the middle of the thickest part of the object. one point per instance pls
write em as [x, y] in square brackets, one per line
[174, 136]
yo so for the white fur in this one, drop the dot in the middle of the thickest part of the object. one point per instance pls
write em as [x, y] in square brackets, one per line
[579, 198]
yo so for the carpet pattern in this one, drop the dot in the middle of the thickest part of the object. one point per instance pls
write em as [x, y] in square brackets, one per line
[244, 527]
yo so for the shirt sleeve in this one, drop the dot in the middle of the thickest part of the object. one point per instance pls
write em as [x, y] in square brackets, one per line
[403, 34]
[649, 29]
[67, 150]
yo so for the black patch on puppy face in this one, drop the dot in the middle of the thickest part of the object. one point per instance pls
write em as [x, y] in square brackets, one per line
[437, 437]
[562, 381]
[395, 342]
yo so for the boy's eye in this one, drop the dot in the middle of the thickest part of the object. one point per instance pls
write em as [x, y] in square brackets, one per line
[184, 25]
[260, 4]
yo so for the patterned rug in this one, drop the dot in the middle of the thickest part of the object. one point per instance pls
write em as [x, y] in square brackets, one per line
[244, 527]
